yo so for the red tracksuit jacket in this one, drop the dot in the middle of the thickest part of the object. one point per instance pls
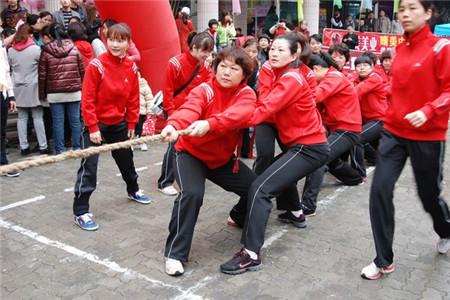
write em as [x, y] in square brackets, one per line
[266, 79]
[291, 106]
[341, 104]
[226, 110]
[420, 81]
[110, 92]
[179, 69]
[372, 97]
[380, 71]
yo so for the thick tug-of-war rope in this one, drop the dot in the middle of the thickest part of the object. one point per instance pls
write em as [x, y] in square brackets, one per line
[40, 161]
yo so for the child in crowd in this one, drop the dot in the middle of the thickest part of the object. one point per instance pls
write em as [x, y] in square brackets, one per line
[146, 103]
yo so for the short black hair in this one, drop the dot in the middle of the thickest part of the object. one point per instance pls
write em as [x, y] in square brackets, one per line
[264, 36]
[43, 14]
[8, 31]
[75, 18]
[340, 48]
[109, 22]
[251, 42]
[363, 59]
[212, 22]
[77, 32]
[371, 55]
[32, 19]
[317, 37]
[386, 54]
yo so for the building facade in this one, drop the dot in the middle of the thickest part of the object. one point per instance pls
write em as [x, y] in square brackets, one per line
[253, 12]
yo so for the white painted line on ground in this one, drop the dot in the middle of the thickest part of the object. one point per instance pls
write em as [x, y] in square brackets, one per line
[137, 170]
[189, 293]
[273, 238]
[95, 259]
[268, 242]
[158, 163]
[331, 198]
[20, 203]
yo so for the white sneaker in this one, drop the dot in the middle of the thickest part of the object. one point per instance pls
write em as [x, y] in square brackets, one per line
[169, 191]
[443, 246]
[372, 272]
[144, 147]
[174, 267]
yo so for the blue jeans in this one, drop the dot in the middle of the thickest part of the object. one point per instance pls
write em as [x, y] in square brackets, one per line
[73, 111]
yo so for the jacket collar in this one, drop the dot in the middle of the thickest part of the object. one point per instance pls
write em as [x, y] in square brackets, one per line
[418, 36]
[279, 71]
[115, 59]
[191, 59]
[226, 91]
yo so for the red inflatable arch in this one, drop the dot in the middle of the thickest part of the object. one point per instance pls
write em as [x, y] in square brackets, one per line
[153, 31]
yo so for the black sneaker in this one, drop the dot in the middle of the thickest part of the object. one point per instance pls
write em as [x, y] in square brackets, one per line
[25, 151]
[288, 217]
[308, 212]
[240, 263]
[35, 149]
[236, 219]
[44, 151]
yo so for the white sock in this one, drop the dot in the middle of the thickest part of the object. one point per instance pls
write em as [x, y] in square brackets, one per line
[252, 254]
[297, 213]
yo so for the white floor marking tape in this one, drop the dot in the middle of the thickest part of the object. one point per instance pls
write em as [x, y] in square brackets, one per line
[273, 238]
[23, 202]
[88, 256]
[331, 198]
[188, 294]
[158, 164]
[185, 294]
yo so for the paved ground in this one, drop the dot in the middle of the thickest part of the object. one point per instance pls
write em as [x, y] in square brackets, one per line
[45, 256]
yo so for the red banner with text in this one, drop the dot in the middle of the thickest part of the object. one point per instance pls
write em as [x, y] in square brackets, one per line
[368, 41]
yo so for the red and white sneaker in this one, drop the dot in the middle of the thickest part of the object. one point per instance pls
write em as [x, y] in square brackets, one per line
[232, 223]
[372, 272]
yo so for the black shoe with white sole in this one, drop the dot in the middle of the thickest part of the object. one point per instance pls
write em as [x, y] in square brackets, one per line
[240, 263]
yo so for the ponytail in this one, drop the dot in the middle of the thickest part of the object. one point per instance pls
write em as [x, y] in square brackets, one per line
[58, 33]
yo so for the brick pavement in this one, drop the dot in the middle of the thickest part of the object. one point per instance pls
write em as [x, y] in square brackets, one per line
[45, 256]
